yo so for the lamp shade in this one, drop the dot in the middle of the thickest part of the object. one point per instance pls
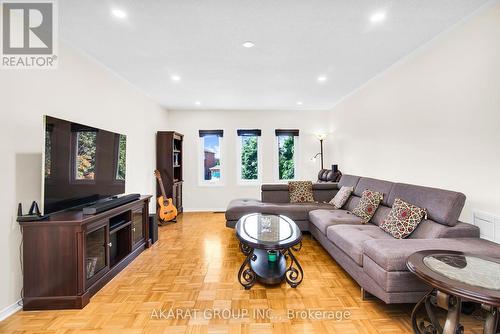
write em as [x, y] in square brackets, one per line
[321, 136]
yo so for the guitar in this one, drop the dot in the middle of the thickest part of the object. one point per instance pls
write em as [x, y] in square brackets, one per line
[166, 211]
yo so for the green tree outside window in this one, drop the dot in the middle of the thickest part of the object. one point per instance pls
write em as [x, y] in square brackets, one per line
[249, 159]
[286, 151]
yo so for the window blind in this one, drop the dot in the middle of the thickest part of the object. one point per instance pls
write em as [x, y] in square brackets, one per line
[249, 132]
[287, 132]
[204, 133]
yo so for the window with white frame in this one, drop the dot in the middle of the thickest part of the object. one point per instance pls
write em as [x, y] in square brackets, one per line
[249, 165]
[210, 156]
[287, 154]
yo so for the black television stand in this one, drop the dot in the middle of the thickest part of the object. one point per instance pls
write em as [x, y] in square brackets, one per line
[114, 202]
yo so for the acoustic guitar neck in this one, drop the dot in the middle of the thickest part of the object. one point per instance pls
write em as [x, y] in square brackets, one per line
[160, 181]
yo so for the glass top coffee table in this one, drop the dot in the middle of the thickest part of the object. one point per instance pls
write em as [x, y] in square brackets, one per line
[268, 242]
[455, 276]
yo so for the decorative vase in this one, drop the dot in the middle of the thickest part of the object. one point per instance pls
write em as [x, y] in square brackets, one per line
[272, 256]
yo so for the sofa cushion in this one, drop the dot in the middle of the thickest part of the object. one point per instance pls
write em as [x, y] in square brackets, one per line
[403, 219]
[383, 187]
[351, 239]
[348, 181]
[296, 211]
[323, 192]
[341, 197]
[300, 191]
[351, 203]
[380, 215]
[391, 255]
[370, 200]
[325, 218]
[443, 206]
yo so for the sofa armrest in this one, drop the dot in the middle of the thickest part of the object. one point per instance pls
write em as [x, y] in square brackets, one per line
[460, 230]
[278, 192]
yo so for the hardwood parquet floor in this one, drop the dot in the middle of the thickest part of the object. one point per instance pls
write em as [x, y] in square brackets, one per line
[194, 266]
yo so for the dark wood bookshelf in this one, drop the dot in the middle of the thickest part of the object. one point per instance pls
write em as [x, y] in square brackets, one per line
[169, 159]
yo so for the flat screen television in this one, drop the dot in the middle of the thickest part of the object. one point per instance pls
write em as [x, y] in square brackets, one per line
[81, 165]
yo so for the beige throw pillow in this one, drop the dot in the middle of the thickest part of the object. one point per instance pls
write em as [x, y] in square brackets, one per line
[341, 197]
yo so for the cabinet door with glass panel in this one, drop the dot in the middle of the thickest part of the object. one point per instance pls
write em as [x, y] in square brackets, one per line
[96, 251]
[138, 221]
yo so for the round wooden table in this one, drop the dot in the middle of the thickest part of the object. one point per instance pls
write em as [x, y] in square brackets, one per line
[455, 277]
[260, 233]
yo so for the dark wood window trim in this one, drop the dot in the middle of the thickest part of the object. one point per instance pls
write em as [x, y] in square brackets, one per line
[287, 132]
[249, 132]
[204, 133]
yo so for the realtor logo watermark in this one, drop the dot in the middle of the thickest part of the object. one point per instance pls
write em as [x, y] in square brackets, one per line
[29, 34]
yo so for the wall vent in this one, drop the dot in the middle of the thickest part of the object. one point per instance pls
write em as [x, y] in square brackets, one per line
[489, 225]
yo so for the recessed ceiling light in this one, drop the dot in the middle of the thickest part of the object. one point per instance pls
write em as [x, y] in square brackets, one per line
[299, 103]
[119, 13]
[322, 78]
[378, 17]
[198, 103]
[175, 77]
[248, 44]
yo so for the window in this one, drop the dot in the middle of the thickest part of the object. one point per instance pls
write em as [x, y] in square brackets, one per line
[211, 156]
[287, 156]
[85, 143]
[248, 156]
[122, 154]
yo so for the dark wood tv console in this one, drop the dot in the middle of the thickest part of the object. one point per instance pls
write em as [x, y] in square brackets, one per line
[70, 256]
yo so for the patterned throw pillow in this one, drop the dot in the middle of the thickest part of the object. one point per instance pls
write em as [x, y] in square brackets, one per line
[341, 197]
[403, 219]
[300, 191]
[368, 204]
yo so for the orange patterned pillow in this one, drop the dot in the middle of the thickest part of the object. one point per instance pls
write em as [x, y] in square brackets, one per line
[403, 219]
[300, 191]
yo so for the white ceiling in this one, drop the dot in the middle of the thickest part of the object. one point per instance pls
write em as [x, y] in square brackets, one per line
[295, 42]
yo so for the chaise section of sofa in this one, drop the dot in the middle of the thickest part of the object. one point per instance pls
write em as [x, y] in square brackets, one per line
[275, 200]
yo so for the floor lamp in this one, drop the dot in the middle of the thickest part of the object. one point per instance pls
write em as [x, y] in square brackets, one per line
[320, 137]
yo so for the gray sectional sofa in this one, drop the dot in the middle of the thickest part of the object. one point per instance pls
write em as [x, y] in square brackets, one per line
[375, 259]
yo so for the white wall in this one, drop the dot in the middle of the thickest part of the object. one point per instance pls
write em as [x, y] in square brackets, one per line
[198, 197]
[79, 90]
[433, 118]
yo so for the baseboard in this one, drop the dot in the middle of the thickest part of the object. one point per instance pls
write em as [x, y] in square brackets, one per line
[10, 310]
[204, 209]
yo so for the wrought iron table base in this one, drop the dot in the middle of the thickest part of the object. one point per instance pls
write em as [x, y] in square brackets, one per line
[429, 323]
[257, 267]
